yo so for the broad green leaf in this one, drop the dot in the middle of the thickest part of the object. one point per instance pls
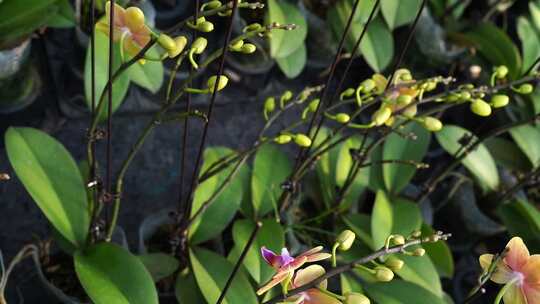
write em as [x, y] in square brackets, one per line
[285, 43]
[399, 12]
[148, 75]
[401, 292]
[527, 138]
[325, 169]
[112, 275]
[20, 18]
[159, 265]
[271, 168]
[271, 235]
[121, 84]
[221, 212]
[522, 219]
[376, 179]
[507, 154]
[293, 64]
[360, 224]
[440, 254]
[495, 45]
[479, 162]
[407, 216]
[65, 17]
[212, 272]
[421, 271]
[530, 42]
[51, 176]
[349, 284]
[343, 166]
[186, 289]
[534, 8]
[382, 219]
[397, 176]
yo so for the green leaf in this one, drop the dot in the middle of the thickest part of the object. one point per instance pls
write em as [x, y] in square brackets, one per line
[51, 176]
[397, 176]
[21, 18]
[440, 254]
[293, 64]
[121, 84]
[530, 42]
[65, 17]
[148, 75]
[112, 275]
[527, 138]
[344, 165]
[271, 235]
[325, 170]
[271, 168]
[398, 13]
[212, 272]
[221, 212]
[495, 45]
[349, 284]
[360, 224]
[186, 289]
[159, 265]
[401, 292]
[284, 43]
[382, 219]
[407, 216]
[421, 271]
[507, 154]
[479, 162]
[522, 219]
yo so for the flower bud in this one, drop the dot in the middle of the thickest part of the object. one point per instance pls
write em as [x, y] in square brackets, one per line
[416, 234]
[314, 104]
[134, 17]
[499, 100]
[199, 45]
[390, 121]
[381, 115]
[410, 111]
[252, 27]
[166, 42]
[288, 95]
[465, 95]
[211, 5]
[248, 48]
[398, 239]
[368, 85]
[383, 274]
[394, 263]
[432, 124]
[526, 88]
[302, 140]
[180, 42]
[404, 99]
[211, 84]
[419, 252]
[403, 75]
[270, 104]
[206, 27]
[356, 298]
[480, 107]
[237, 46]
[431, 85]
[345, 240]
[501, 71]
[343, 118]
[283, 139]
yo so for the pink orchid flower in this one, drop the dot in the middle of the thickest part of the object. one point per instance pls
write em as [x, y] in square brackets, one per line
[128, 26]
[312, 295]
[519, 271]
[285, 264]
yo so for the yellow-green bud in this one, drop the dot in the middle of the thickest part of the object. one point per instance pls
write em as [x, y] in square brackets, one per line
[223, 80]
[465, 95]
[368, 85]
[419, 252]
[347, 93]
[394, 263]
[252, 27]
[501, 71]
[199, 45]
[499, 100]
[134, 17]
[432, 124]
[480, 107]
[302, 140]
[288, 95]
[431, 85]
[206, 27]
[270, 104]
[283, 139]
[211, 5]
[403, 75]
[404, 99]
[383, 274]
[356, 298]
[166, 42]
[237, 46]
[249, 48]
[343, 118]
[410, 111]
[314, 104]
[345, 240]
[526, 88]
[382, 115]
[416, 234]
[180, 43]
[398, 239]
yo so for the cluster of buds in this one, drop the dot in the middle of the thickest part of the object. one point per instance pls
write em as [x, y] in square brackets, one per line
[202, 25]
[300, 139]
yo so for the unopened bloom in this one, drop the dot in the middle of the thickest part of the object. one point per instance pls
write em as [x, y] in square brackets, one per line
[128, 26]
[285, 264]
[519, 270]
[312, 295]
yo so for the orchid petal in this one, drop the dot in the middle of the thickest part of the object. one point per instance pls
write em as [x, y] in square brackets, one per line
[517, 254]
[532, 293]
[119, 14]
[318, 257]
[278, 278]
[297, 299]
[269, 256]
[309, 274]
[514, 295]
[531, 270]
[312, 251]
[314, 296]
[502, 273]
